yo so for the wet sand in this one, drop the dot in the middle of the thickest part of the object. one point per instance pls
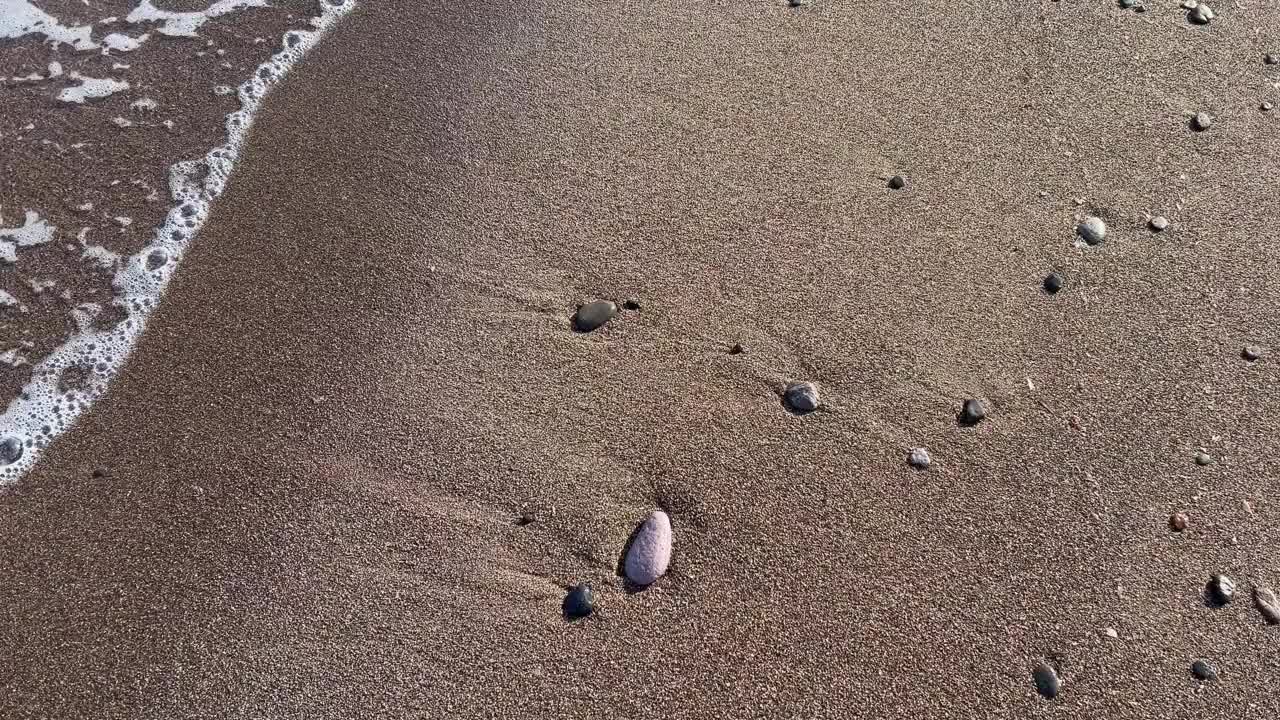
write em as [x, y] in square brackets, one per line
[309, 484]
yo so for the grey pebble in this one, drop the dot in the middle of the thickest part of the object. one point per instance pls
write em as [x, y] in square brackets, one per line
[798, 3]
[593, 315]
[737, 349]
[1252, 353]
[1202, 670]
[1201, 14]
[1189, 4]
[10, 450]
[1265, 106]
[1203, 459]
[579, 603]
[972, 413]
[1093, 230]
[1220, 590]
[897, 182]
[1271, 59]
[801, 397]
[1126, 4]
[1053, 282]
[1266, 602]
[1159, 223]
[1201, 122]
[1048, 684]
[919, 458]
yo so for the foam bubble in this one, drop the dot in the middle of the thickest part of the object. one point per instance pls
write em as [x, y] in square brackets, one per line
[185, 24]
[19, 18]
[91, 88]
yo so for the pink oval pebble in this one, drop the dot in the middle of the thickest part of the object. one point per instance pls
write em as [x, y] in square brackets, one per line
[650, 551]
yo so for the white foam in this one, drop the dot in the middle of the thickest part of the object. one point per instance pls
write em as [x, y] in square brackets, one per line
[44, 409]
[185, 24]
[91, 88]
[34, 231]
[123, 43]
[19, 18]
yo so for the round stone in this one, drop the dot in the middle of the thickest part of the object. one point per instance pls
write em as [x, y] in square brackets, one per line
[801, 397]
[1053, 282]
[1220, 590]
[897, 182]
[1252, 353]
[1159, 223]
[593, 315]
[972, 413]
[1203, 459]
[579, 603]
[1202, 670]
[10, 450]
[1048, 684]
[1267, 604]
[1201, 14]
[1271, 59]
[650, 552]
[1179, 522]
[1093, 230]
[919, 458]
[1201, 122]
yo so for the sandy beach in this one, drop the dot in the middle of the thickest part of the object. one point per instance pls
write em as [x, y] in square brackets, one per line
[361, 453]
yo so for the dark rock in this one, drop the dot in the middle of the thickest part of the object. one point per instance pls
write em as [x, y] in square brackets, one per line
[801, 397]
[897, 182]
[11, 449]
[593, 315]
[156, 259]
[99, 473]
[1271, 59]
[1201, 14]
[737, 349]
[1220, 590]
[1048, 684]
[1093, 230]
[919, 458]
[972, 413]
[1202, 670]
[631, 304]
[1179, 522]
[579, 603]
[1053, 282]
[1266, 602]
[1201, 122]
[797, 3]
[1252, 353]
[1158, 223]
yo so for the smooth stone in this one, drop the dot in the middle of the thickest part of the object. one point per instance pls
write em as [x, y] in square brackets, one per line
[802, 397]
[798, 3]
[579, 603]
[1201, 122]
[1202, 670]
[593, 315]
[1111, 633]
[650, 552]
[972, 413]
[919, 459]
[1201, 14]
[1159, 223]
[1220, 590]
[1252, 353]
[1266, 602]
[1266, 106]
[1053, 282]
[1126, 4]
[1093, 230]
[1271, 59]
[1179, 522]
[11, 449]
[1202, 459]
[1048, 684]
[897, 182]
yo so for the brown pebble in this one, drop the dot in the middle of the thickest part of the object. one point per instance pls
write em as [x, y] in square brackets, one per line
[1266, 602]
[1178, 522]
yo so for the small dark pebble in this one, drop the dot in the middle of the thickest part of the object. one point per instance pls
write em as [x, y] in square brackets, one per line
[1179, 522]
[972, 413]
[801, 397]
[1126, 4]
[10, 450]
[99, 473]
[1201, 122]
[593, 315]
[1265, 106]
[1271, 59]
[579, 603]
[1267, 604]
[1201, 14]
[1202, 670]
[737, 349]
[897, 182]
[1048, 683]
[1053, 282]
[1252, 353]
[797, 3]
[630, 304]
[1220, 590]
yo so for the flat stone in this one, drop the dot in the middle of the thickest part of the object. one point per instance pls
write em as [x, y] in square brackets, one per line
[1093, 230]
[650, 551]
[1201, 14]
[1220, 590]
[1126, 4]
[1048, 684]
[919, 458]
[1203, 459]
[593, 315]
[1201, 122]
[11, 449]
[1111, 633]
[1053, 282]
[1179, 522]
[801, 397]
[1252, 353]
[579, 602]
[1265, 600]
[897, 182]
[798, 3]
[1159, 223]
[972, 413]
[1202, 670]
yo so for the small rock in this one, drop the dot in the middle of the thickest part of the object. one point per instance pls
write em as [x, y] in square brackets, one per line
[972, 413]
[1271, 59]
[897, 182]
[1252, 353]
[1265, 600]
[99, 473]
[1201, 122]
[1220, 590]
[1201, 14]
[1048, 684]
[1126, 4]
[737, 349]
[631, 304]
[1202, 670]
[579, 603]
[1203, 459]
[1189, 4]
[593, 315]
[1159, 223]
[1053, 282]
[650, 551]
[1111, 633]
[1179, 522]
[1093, 230]
[1265, 106]
[801, 397]
[919, 459]
[798, 3]
[10, 450]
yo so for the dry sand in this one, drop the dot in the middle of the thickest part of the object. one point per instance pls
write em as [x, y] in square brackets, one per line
[315, 475]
